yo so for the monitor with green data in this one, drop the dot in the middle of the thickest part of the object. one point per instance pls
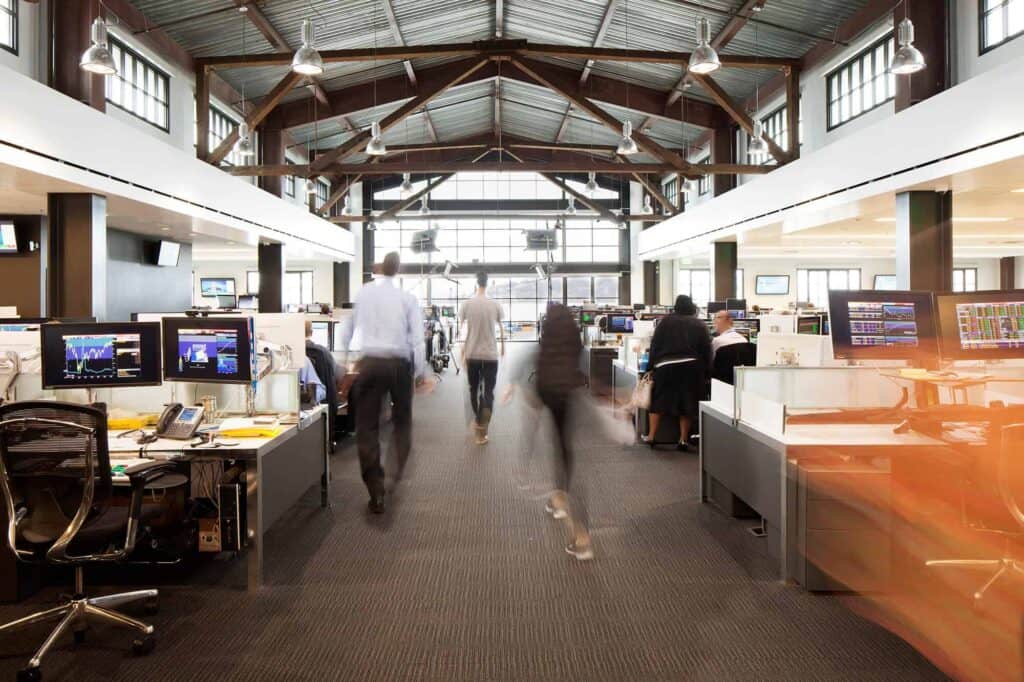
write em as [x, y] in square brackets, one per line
[104, 354]
[883, 325]
[982, 325]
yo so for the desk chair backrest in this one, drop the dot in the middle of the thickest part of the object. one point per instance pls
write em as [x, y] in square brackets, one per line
[1010, 472]
[54, 474]
[727, 358]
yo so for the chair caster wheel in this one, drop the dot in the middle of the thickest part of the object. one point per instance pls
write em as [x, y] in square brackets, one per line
[152, 607]
[143, 645]
[30, 675]
[79, 636]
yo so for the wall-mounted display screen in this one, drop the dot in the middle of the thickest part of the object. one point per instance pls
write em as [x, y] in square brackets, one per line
[208, 350]
[100, 354]
[8, 237]
[771, 285]
[886, 283]
[217, 286]
[167, 254]
[982, 324]
[883, 324]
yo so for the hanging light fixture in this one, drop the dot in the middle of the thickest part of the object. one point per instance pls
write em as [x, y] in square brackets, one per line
[539, 269]
[97, 58]
[346, 207]
[310, 187]
[371, 226]
[690, 186]
[648, 209]
[704, 59]
[908, 59]
[571, 209]
[376, 145]
[627, 146]
[757, 145]
[591, 182]
[406, 187]
[424, 209]
[307, 60]
[244, 146]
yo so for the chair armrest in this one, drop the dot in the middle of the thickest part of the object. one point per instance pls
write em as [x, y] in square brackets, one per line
[146, 472]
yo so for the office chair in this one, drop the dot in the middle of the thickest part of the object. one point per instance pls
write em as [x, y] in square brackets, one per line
[57, 490]
[727, 358]
[1011, 439]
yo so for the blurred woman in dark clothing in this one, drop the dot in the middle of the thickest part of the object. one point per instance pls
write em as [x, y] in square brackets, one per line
[680, 358]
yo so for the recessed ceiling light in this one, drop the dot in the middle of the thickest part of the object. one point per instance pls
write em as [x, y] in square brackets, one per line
[1019, 190]
[165, 228]
[958, 219]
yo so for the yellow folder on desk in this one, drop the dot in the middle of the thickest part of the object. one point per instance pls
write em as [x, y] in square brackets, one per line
[246, 428]
[129, 423]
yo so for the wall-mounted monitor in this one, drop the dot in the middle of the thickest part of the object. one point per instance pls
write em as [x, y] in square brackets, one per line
[94, 355]
[217, 286]
[981, 325]
[541, 240]
[883, 325]
[208, 350]
[771, 285]
[8, 237]
[167, 254]
[886, 283]
[424, 242]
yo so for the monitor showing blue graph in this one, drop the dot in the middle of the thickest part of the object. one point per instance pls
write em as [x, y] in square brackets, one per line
[208, 350]
[94, 355]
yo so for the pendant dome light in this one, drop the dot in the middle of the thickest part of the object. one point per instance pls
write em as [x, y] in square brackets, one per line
[97, 58]
[406, 187]
[376, 146]
[310, 187]
[908, 59]
[704, 59]
[648, 209]
[591, 183]
[307, 60]
[424, 208]
[757, 145]
[346, 207]
[627, 146]
[571, 208]
[244, 146]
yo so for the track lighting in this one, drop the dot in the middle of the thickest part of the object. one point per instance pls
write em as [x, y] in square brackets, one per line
[626, 145]
[310, 187]
[757, 145]
[244, 146]
[591, 183]
[97, 58]
[908, 59]
[376, 145]
[704, 59]
[307, 60]
[406, 187]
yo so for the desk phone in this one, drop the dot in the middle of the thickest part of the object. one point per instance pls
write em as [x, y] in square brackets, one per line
[179, 422]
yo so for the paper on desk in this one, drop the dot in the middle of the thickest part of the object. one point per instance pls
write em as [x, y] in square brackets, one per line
[241, 427]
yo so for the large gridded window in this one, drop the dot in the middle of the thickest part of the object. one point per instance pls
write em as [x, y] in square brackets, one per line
[1000, 21]
[323, 191]
[671, 191]
[298, 286]
[814, 284]
[289, 182]
[776, 127]
[704, 182]
[861, 84]
[221, 126]
[697, 285]
[965, 279]
[9, 25]
[139, 87]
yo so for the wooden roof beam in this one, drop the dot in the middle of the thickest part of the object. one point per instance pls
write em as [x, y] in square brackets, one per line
[583, 198]
[256, 116]
[738, 114]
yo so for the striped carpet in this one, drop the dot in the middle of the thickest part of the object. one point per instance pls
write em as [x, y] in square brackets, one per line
[465, 578]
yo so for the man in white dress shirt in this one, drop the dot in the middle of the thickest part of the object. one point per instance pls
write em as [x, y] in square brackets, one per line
[391, 324]
[726, 335]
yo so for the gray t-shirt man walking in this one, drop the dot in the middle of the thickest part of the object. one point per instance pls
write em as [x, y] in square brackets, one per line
[480, 315]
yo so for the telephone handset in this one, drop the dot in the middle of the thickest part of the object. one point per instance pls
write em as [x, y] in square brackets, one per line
[179, 422]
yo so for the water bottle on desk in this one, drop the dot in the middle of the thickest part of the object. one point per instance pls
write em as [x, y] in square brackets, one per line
[642, 364]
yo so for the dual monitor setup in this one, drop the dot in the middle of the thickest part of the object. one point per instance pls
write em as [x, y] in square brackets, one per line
[116, 354]
[922, 326]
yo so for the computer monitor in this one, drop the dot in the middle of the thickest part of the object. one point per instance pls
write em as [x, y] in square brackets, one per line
[95, 355]
[8, 237]
[736, 304]
[226, 302]
[448, 311]
[322, 333]
[209, 349]
[883, 325]
[715, 306]
[587, 317]
[737, 314]
[248, 302]
[217, 286]
[620, 324]
[20, 324]
[981, 325]
[808, 324]
[771, 285]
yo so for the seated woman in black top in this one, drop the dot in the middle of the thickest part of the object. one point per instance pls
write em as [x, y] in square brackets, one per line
[680, 357]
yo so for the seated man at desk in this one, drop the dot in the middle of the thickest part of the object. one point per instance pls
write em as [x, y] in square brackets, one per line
[725, 335]
[327, 371]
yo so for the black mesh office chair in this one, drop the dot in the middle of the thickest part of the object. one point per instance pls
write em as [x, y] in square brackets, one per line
[1000, 476]
[56, 484]
[728, 358]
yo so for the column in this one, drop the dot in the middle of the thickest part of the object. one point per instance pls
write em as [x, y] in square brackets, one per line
[924, 240]
[724, 258]
[71, 26]
[342, 291]
[651, 279]
[271, 265]
[368, 241]
[1008, 273]
[76, 256]
[931, 36]
[723, 150]
[271, 152]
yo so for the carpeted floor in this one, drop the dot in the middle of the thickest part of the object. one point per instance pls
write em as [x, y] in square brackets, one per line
[465, 578]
